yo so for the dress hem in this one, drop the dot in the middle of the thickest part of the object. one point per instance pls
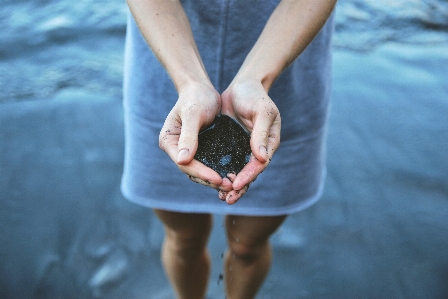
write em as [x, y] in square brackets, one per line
[226, 209]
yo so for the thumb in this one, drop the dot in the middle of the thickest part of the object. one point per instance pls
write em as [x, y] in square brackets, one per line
[188, 141]
[265, 137]
[259, 139]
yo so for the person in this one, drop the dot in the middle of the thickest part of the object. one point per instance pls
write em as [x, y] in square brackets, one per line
[185, 63]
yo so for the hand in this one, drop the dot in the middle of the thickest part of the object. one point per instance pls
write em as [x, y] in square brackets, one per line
[195, 109]
[249, 103]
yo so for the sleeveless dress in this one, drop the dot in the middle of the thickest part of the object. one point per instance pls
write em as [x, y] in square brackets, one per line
[225, 31]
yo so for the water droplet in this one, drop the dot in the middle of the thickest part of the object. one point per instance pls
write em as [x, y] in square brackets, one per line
[220, 278]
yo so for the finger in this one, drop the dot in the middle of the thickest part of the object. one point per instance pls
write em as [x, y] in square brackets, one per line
[204, 175]
[222, 195]
[234, 195]
[203, 182]
[169, 136]
[226, 185]
[249, 173]
[188, 139]
[231, 176]
[265, 137]
[274, 138]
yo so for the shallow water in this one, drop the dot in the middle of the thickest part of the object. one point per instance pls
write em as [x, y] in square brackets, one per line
[47, 46]
[365, 24]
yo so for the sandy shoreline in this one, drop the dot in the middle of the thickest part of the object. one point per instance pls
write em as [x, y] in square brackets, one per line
[378, 232]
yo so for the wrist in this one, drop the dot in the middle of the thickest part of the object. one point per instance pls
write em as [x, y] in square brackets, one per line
[256, 71]
[190, 82]
[199, 93]
[253, 79]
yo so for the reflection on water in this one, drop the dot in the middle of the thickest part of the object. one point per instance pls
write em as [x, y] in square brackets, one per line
[46, 46]
[363, 24]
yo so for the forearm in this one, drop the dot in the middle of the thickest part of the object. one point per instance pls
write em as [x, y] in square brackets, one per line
[165, 27]
[289, 30]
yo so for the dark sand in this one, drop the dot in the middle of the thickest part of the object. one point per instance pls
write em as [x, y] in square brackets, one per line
[380, 230]
[224, 146]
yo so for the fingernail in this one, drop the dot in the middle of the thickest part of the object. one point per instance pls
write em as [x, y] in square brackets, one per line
[231, 177]
[263, 151]
[228, 198]
[222, 195]
[182, 155]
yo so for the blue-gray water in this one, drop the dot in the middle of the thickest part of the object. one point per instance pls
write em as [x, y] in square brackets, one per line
[380, 230]
[47, 46]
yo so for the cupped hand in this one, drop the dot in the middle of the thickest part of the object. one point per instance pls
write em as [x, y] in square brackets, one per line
[249, 103]
[197, 106]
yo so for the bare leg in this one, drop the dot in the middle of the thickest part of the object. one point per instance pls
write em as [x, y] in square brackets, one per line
[184, 252]
[249, 256]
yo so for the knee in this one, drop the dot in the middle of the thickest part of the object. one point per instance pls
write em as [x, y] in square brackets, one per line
[186, 244]
[247, 250]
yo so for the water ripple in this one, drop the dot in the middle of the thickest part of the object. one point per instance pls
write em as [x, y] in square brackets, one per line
[46, 46]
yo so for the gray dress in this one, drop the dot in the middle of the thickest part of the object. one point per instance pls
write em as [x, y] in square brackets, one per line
[225, 31]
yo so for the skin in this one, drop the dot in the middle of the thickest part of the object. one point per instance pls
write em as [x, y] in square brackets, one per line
[164, 25]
